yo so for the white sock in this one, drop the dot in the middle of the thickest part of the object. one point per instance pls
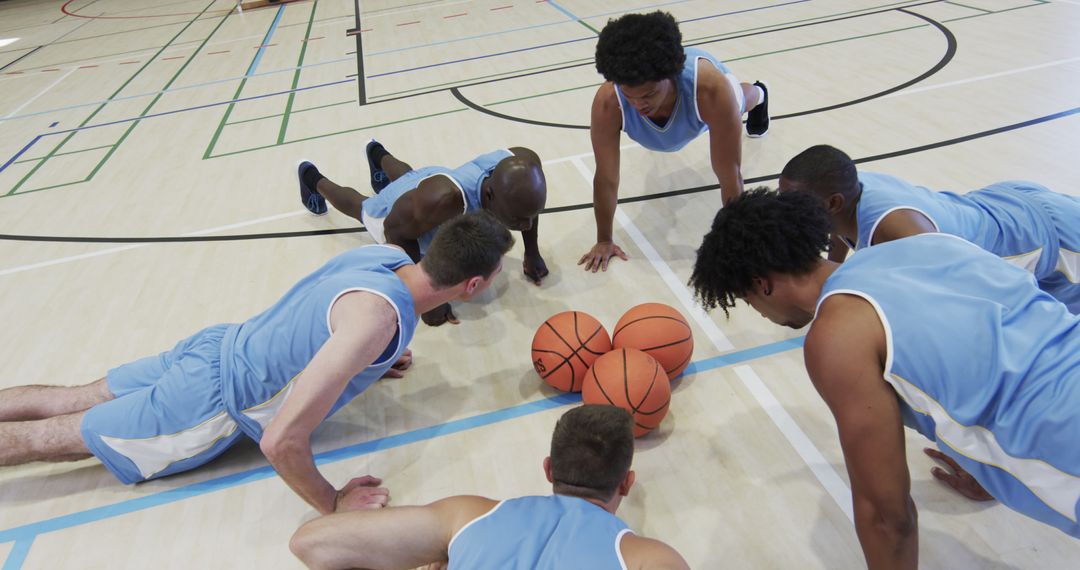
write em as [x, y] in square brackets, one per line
[761, 94]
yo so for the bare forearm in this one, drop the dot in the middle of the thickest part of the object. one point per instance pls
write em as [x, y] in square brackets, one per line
[529, 238]
[296, 466]
[730, 178]
[605, 200]
[888, 545]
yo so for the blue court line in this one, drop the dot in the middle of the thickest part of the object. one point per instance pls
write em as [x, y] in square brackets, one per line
[266, 40]
[54, 124]
[20, 153]
[18, 554]
[589, 38]
[173, 112]
[26, 533]
[567, 13]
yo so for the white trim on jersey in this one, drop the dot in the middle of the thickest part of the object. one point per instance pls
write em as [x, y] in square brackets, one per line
[470, 523]
[618, 550]
[877, 222]
[1069, 264]
[1027, 261]
[264, 412]
[1058, 490]
[373, 292]
[151, 455]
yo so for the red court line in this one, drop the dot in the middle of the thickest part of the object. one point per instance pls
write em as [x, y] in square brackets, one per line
[406, 23]
[50, 69]
[127, 62]
[502, 7]
[455, 15]
[313, 39]
[86, 66]
[173, 57]
[14, 73]
[264, 46]
[217, 52]
[74, 15]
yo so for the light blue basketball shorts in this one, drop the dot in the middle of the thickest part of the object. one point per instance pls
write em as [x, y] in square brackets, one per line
[168, 414]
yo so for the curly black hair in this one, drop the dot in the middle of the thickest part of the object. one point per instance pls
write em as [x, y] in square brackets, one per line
[758, 233]
[824, 170]
[637, 48]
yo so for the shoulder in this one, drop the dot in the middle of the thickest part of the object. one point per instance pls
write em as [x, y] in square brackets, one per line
[457, 512]
[438, 197]
[846, 331]
[647, 553]
[362, 304]
[714, 93]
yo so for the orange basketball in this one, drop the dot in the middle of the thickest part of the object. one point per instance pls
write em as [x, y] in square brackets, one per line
[565, 346]
[632, 380]
[659, 330]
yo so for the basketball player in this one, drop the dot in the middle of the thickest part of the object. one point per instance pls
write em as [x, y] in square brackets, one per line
[409, 205]
[1023, 222]
[931, 332]
[663, 96]
[589, 469]
[273, 378]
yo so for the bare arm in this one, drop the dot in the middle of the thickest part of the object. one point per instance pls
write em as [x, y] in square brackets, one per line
[363, 325]
[604, 129]
[396, 537]
[900, 224]
[845, 352]
[419, 211]
[720, 110]
[642, 553]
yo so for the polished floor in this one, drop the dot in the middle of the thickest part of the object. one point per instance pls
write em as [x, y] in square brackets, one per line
[147, 189]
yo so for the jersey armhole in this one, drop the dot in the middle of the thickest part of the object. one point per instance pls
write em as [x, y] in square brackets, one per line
[874, 228]
[470, 523]
[884, 322]
[618, 546]
[388, 354]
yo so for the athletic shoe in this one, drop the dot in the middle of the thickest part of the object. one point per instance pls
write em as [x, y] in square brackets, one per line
[757, 120]
[312, 200]
[379, 179]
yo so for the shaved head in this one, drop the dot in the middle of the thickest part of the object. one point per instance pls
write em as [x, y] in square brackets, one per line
[516, 191]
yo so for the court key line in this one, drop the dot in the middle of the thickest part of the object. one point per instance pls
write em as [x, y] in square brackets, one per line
[23, 535]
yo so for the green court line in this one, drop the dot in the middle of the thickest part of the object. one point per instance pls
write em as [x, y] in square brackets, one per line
[296, 75]
[297, 112]
[231, 153]
[701, 39]
[968, 7]
[305, 139]
[63, 153]
[109, 99]
[229, 109]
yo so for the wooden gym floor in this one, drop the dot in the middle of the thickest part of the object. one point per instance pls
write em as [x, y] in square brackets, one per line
[147, 189]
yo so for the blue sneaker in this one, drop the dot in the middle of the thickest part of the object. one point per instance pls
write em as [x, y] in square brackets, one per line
[308, 176]
[379, 179]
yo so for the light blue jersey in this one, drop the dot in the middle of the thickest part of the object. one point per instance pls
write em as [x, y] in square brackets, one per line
[984, 363]
[540, 533]
[684, 124]
[1028, 225]
[468, 177]
[262, 356]
[180, 409]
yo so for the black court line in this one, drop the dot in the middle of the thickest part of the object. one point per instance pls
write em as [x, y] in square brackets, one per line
[582, 206]
[591, 61]
[360, 77]
[950, 52]
[16, 60]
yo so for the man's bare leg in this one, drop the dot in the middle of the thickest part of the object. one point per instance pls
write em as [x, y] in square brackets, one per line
[393, 167]
[23, 403]
[346, 200]
[53, 439]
